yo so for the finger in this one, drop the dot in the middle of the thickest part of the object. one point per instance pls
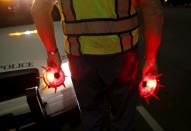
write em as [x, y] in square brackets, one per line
[150, 70]
[58, 68]
[51, 64]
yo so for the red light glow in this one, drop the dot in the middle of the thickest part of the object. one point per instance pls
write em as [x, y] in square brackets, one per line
[149, 86]
[52, 78]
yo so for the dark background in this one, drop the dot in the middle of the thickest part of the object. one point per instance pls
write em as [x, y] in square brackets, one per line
[173, 110]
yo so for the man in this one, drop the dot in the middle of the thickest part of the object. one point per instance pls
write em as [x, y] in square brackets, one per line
[100, 40]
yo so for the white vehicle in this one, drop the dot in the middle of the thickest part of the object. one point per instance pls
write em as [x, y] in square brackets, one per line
[24, 96]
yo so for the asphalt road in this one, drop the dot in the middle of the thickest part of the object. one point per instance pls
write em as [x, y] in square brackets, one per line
[173, 111]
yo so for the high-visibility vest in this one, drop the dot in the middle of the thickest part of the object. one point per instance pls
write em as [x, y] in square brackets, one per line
[98, 27]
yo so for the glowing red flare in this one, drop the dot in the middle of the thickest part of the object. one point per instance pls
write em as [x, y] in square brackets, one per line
[53, 78]
[149, 86]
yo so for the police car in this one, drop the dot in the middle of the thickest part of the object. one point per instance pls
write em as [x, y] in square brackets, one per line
[25, 97]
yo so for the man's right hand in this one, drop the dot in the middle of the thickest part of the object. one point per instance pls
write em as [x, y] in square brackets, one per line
[54, 60]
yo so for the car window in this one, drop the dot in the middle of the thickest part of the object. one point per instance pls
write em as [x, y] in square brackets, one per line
[17, 12]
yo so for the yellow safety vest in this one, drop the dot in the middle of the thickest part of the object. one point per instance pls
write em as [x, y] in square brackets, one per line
[98, 27]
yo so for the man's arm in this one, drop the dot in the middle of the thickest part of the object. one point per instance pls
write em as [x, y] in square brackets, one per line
[153, 21]
[41, 12]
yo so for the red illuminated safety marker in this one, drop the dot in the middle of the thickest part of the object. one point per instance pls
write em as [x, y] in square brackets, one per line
[149, 86]
[52, 78]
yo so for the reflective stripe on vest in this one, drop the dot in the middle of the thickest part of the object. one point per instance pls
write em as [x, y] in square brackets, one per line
[101, 27]
[118, 26]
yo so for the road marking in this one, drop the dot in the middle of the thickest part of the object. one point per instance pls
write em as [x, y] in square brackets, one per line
[149, 119]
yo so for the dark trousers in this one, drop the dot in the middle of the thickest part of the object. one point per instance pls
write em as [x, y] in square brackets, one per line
[106, 90]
